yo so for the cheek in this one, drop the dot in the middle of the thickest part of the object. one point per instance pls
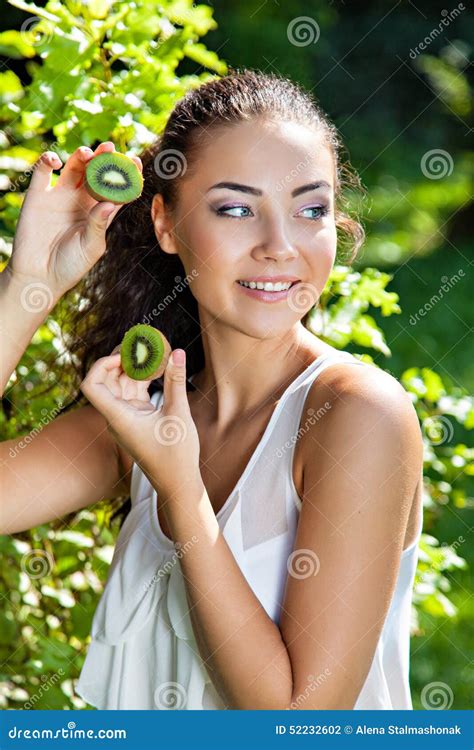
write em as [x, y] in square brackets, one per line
[322, 248]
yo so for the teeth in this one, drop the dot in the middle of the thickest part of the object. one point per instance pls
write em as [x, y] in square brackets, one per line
[268, 286]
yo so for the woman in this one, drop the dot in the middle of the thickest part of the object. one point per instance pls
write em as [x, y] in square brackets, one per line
[268, 556]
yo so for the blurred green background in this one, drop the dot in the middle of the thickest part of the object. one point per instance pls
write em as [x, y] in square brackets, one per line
[396, 79]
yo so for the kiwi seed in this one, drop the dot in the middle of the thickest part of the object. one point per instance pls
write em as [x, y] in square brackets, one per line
[113, 177]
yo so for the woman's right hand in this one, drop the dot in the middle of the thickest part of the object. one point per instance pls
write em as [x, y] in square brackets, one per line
[61, 229]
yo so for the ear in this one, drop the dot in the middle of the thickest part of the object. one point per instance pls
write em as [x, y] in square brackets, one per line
[162, 223]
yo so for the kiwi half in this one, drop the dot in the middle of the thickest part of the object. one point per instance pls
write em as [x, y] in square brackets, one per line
[113, 177]
[144, 352]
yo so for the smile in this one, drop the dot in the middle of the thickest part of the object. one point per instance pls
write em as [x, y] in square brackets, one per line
[266, 291]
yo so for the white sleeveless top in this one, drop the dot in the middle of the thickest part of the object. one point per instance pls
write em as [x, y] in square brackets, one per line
[143, 654]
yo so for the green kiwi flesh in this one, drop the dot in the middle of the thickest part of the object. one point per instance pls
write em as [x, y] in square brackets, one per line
[142, 351]
[113, 177]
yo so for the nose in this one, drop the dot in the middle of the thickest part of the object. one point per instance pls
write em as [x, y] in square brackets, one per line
[276, 243]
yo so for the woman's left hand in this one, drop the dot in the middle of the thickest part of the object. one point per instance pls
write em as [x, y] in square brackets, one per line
[163, 442]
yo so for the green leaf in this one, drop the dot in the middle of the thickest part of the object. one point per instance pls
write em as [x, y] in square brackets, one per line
[34, 10]
[16, 45]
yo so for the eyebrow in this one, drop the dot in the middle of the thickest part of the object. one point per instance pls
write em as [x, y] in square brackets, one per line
[256, 191]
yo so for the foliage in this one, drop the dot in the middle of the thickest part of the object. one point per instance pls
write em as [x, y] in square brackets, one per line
[105, 70]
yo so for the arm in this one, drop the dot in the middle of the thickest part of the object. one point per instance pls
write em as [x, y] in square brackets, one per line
[73, 462]
[18, 324]
[360, 477]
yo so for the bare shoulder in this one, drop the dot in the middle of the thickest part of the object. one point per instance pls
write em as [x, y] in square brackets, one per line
[361, 387]
[350, 400]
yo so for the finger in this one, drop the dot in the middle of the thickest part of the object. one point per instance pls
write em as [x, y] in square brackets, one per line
[93, 235]
[106, 146]
[103, 147]
[102, 367]
[42, 170]
[74, 169]
[100, 396]
[138, 162]
[101, 386]
[174, 387]
[128, 386]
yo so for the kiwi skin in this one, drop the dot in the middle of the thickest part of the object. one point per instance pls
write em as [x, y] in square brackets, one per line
[149, 337]
[121, 163]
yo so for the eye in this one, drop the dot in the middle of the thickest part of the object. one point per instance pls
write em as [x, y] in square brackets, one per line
[223, 211]
[323, 211]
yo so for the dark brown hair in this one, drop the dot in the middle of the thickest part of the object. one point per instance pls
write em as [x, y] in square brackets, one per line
[135, 280]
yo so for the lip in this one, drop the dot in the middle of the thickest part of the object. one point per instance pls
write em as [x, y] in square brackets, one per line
[274, 279]
[262, 295]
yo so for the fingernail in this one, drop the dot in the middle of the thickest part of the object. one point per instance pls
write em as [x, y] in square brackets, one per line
[179, 357]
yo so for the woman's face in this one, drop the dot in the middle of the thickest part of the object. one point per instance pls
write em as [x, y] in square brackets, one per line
[273, 220]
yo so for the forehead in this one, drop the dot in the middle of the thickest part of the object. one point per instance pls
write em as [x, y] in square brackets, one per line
[265, 153]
